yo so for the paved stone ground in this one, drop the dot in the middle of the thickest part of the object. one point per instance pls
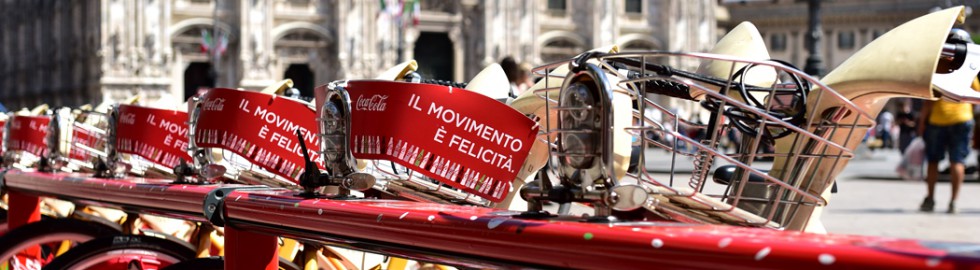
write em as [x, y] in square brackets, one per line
[873, 200]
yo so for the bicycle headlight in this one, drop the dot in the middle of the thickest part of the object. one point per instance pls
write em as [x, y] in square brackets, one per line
[585, 128]
[578, 116]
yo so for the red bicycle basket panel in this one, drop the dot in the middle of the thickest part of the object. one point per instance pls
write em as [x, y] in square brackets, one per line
[458, 137]
[29, 134]
[81, 135]
[158, 135]
[259, 127]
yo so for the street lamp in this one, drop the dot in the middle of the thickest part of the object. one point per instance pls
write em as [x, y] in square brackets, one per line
[814, 64]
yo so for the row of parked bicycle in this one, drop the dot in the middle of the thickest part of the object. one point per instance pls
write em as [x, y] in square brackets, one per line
[399, 171]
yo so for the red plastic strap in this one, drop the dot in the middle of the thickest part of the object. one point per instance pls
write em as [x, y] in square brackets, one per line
[260, 127]
[155, 134]
[29, 134]
[461, 138]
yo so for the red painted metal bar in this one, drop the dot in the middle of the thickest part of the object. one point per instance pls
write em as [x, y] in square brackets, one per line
[155, 196]
[249, 250]
[482, 234]
[23, 209]
[485, 235]
[243, 249]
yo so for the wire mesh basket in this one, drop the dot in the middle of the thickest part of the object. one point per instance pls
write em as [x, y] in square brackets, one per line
[222, 141]
[139, 142]
[789, 134]
[25, 140]
[86, 139]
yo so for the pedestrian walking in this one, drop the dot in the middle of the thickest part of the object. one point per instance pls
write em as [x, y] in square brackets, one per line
[906, 121]
[886, 121]
[945, 127]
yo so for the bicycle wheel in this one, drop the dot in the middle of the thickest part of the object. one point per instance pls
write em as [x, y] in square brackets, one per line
[218, 263]
[47, 235]
[124, 252]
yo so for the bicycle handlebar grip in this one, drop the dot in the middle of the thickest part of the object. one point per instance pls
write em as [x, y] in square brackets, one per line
[669, 88]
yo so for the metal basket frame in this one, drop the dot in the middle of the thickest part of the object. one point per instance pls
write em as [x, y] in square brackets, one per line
[103, 127]
[233, 163]
[20, 159]
[109, 162]
[811, 143]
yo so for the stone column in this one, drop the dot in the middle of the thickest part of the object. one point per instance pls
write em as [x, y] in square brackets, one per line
[256, 44]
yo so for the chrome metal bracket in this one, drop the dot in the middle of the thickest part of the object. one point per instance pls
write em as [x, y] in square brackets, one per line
[214, 203]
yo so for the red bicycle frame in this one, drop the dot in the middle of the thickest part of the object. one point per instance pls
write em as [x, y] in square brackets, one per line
[476, 236]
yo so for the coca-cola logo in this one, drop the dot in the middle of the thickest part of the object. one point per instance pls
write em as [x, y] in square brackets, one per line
[128, 118]
[374, 103]
[217, 104]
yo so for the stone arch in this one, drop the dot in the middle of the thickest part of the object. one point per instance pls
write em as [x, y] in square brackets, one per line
[281, 31]
[560, 45]
[187, 24]
[304, 52]
[639, 42]
[191, 66]
[301, 42]
[550, 36]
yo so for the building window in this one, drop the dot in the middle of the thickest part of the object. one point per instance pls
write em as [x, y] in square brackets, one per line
[777, 42]
[557, 5]
[845, 40]
[634, 6]
[560, 49]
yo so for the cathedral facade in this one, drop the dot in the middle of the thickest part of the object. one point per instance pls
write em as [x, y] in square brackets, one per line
[68, 53]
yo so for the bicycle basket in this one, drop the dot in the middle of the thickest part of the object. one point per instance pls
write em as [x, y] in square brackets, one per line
[788, 154]
[150, 141]
[407, 136]
[86, 140]
[253, 136]
[25, 140]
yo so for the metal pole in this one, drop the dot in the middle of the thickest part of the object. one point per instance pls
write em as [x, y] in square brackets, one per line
[814, 63]
[400, 54]
[212, 54]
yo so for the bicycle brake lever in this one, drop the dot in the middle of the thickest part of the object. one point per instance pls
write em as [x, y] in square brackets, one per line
[311, 177]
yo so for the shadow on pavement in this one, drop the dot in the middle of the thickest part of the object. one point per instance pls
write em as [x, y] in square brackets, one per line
[942, 178]
[940, 210]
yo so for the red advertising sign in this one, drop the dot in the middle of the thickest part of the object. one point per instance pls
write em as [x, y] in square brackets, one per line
[157, 135]
[259, 127]
[461, 138]
[87, 136]
[29, 134]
